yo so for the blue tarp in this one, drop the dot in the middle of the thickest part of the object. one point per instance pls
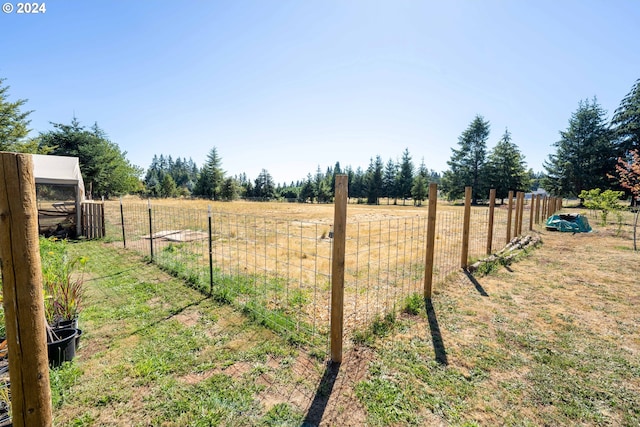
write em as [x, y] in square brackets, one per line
[572, 223]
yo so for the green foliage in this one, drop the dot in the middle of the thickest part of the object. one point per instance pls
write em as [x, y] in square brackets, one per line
[183, 172]
[419, 190]
[105, 169]
[467, 164]
[13, 121]
[626, 121]
[380, 327]
[265, 188]
[62, 281]
[61, 380]
[405, 177]
[585, 154]
[211, 177]
[374, 181]
[506, 168]
[413, 304]
[605, 202]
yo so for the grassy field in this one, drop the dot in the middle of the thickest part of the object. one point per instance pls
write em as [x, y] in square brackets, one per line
[551, 340]
[283, 250]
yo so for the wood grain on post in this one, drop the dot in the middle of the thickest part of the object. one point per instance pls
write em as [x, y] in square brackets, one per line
[464, 253]
[531, 212]
[520, 212]
[337, 267]
[431, 239]
[509, 215]
[492, 205]
[22, 292]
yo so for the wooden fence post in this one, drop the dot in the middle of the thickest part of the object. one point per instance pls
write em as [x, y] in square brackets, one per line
[22, 291]
[538, 200]
[492, 205]
[337, 267]
[531, 212]
[509, 215]
[431, 239]
[464, 253]
[520, 212]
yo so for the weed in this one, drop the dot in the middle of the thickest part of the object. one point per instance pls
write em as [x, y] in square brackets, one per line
[413, 304]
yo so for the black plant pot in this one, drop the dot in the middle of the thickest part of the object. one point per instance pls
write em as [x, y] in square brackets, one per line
[78, 335]
[66, 324]
[63, 349]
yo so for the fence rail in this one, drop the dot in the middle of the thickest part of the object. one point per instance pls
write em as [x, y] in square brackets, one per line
[278, 271]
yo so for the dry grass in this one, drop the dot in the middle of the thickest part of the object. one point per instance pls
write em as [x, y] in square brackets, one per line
[552, 340]
[289, 243]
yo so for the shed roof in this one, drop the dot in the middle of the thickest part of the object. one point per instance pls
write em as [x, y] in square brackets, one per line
[60, 170]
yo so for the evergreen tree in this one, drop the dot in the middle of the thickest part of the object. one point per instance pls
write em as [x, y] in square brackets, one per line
[322, 187]
[307, 192]
[359, 186]
[105, 169]
[585, 153]
[468, 162]
[211, 177]
[13, 121]
[405, 177]
[506, 168]
[265, 188]
[374, 181]
[389, 180]
[626, 122]
[419, 190]
[168, 187]
[229, 190]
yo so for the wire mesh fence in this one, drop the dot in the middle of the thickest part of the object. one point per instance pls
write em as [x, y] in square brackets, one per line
[278, 271]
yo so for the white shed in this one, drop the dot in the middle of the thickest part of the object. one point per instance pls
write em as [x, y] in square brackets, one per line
[61, 171]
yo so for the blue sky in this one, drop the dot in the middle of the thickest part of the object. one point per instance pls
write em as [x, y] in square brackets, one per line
[290, 85]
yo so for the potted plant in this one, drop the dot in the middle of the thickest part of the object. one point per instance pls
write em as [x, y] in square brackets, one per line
[64, 292]
[63, 286]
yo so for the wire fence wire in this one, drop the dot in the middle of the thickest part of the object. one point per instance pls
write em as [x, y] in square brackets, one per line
[278, 271]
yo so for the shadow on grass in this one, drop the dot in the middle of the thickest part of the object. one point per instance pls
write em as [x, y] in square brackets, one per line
[322, 395]
[173, 313]
[477, 284]
[117, 273]
[436, 336]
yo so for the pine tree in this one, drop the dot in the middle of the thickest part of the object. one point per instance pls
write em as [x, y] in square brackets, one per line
[419, 190]
[389, 180]
[585, 153]
[626, 121]
[265, 188]
[405, 177]
[13, 121]
[468, 162]
[374, 181]
[506, 168]
[209, 183]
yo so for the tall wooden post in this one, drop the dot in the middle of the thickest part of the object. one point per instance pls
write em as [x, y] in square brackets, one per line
[492, 206]
[337, 267]
[464, 254]
[520, 212]
[531, 212]
[431, 239]
[509, 215]
[538, 200]
[22, 291]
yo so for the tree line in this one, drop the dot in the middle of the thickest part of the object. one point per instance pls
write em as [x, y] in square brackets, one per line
[591, 153]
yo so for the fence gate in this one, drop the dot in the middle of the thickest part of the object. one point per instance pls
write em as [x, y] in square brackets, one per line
[93, 219]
